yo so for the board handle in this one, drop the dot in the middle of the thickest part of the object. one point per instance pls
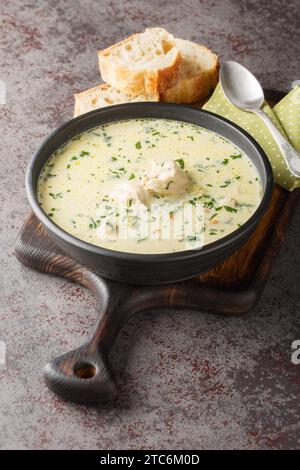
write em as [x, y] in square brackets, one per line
[81, 375]
[84, 374]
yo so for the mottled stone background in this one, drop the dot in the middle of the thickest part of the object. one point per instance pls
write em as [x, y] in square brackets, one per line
[188, 379]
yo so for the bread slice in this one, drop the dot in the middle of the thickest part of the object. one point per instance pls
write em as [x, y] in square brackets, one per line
[141, 64]
[198, 74]
[105, 95]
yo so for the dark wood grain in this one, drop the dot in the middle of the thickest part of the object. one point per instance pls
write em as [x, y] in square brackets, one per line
[231, 288]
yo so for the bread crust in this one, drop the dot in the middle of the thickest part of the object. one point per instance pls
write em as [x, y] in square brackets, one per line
[136, 82]
[88, 100]
[196, 87]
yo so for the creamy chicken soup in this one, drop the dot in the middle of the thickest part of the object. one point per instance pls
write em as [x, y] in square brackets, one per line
[149, 186]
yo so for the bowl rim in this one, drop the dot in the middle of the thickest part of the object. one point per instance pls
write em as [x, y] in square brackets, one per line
[206, 250]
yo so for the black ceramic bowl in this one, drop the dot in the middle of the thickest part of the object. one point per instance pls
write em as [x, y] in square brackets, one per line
[149, 268]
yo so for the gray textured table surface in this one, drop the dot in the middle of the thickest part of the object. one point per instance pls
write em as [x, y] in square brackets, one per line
[188, 379]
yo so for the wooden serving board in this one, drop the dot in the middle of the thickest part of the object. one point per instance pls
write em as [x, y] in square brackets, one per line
[233, 287]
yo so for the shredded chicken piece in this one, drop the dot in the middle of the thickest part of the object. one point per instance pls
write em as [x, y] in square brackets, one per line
[166, 178]
[130, 193]
[227, 201]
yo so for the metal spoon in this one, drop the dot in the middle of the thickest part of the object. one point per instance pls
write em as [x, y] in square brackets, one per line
[243, 90]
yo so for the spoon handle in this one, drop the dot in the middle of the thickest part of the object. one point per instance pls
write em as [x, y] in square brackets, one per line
[291, 157]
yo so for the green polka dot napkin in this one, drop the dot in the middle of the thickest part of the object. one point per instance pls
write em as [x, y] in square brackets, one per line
[285, 115]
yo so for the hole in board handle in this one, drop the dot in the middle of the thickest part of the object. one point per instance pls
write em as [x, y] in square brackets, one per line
[84, 370]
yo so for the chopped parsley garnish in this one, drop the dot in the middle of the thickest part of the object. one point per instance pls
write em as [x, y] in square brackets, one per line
[194, 200]
[138, 145]
[180, 162]
[225, 161]
[230, 209]
[94, 224]
[107, 139]
[209, 202]
[168, 185]
[51, 214]
[56, 196]
[132, 176]
[117, 173]
[226, 183]
[234, 157]
[191, 238]
[227, 208]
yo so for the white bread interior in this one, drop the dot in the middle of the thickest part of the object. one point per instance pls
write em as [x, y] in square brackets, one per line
[144, 63]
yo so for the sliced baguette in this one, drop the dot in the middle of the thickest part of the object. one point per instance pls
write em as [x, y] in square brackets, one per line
[198, 74]
[141, 64]
[105, 95]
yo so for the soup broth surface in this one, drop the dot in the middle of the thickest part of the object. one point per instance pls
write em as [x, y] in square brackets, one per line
[149, 186]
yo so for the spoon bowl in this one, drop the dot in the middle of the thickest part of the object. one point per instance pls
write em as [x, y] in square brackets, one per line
[240, 86]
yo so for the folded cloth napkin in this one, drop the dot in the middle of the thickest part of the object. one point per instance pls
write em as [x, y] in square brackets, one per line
[285, 115]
